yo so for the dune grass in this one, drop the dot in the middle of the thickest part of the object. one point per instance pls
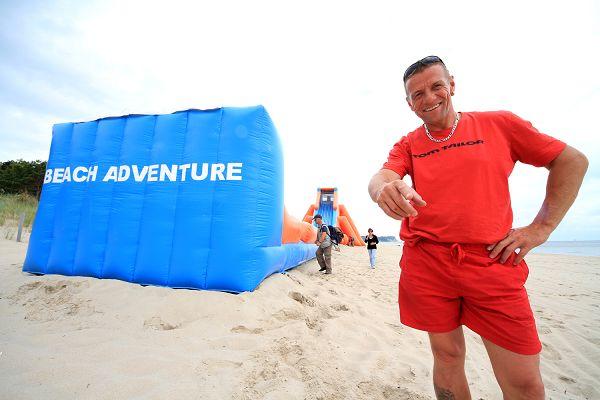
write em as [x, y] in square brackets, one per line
[12, 205]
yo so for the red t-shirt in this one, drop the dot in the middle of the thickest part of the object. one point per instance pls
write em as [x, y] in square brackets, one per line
[465, 179]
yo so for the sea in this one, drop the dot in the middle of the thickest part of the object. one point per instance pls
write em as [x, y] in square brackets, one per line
[572, 248]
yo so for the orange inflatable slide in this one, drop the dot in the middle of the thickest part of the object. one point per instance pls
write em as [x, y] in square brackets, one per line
[335, 214]
[295, 231]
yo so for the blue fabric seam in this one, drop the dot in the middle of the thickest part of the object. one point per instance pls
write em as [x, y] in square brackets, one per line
[137, 249]
[187, 120]
[86, 193]
[60, 191]
[112, 199]
[212, 203]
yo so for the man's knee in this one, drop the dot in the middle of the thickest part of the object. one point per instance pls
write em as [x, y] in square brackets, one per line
[449, 353]
[534, 390]
[528, 388]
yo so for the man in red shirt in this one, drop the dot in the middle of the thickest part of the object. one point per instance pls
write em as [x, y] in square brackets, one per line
[459, 263]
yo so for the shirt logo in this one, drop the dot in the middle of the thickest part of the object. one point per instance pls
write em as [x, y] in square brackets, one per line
[448, 147]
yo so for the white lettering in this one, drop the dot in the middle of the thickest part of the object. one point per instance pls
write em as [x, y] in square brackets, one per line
[76, 172]
[111, 175]
[48, 176]
[58, 175]
[137, 175]
[153, 173]
[195, 172]
[234, 168]
[124, 172]
[150, 173]
[92, 172]
[217, 169]
[67, 177]
[183, 168]
[165, 171]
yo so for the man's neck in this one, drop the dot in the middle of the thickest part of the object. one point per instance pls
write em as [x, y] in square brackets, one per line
[446, 124]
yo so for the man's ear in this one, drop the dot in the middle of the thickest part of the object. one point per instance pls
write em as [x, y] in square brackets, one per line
[409, 103]
[452, 85]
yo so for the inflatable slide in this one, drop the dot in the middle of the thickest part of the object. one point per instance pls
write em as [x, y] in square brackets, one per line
[192, 199]
[335, 214]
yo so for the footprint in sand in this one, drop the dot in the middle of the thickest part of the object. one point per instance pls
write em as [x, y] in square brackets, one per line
[544, 330]
[293, 278]
[550, 352]
[567, 379]
[313, 322]
[289, 350]
[49, 289]
[52, 300]
[374, 389]
[215, 365]
[300, 298]
[158, 324]
[397, 328]
[594, 341]
[286, 314]
[243, 329]
[340, 307]
[558, 324]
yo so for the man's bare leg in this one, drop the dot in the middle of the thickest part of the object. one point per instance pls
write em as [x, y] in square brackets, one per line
[449, 379]
[518, 375]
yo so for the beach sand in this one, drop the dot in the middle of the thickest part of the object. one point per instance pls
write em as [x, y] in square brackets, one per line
[300, 335]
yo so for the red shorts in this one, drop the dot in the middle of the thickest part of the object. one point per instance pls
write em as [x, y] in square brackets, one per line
[444, 286]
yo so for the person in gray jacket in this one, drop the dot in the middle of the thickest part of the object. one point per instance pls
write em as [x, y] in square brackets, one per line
[324, 243]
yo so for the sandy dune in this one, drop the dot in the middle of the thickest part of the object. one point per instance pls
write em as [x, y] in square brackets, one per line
[300, 335]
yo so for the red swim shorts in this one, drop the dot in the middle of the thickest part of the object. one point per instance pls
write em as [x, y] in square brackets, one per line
[443, 286]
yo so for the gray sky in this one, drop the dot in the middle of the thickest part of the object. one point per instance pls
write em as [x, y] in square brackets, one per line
[329, 73]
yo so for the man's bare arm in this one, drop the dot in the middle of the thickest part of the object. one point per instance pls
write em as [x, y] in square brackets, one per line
[393, 195]
[566, 174]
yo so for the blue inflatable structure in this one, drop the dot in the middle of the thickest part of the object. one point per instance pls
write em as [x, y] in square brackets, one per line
[192, 199]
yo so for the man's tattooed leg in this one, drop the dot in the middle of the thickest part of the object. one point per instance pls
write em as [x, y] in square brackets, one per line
[443, 394]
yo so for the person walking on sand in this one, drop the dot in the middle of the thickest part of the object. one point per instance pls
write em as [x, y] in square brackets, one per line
[372, 242]
[459, 263]
[324, 244]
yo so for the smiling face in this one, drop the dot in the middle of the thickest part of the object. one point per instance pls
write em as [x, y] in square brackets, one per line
[428, 94]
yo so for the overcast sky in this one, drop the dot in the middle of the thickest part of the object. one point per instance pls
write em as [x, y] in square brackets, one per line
[329, 73]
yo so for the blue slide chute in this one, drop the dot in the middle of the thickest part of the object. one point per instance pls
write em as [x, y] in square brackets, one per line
[326, 209]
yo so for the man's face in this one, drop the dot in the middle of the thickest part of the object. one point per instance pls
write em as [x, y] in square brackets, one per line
[319, 221]
[428, 94]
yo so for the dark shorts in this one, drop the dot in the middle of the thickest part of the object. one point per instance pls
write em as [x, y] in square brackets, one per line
[443, 286]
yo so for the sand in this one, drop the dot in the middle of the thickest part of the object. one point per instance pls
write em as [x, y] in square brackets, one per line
[300, 335]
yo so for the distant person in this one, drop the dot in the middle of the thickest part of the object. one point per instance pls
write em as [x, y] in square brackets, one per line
[324, 244]
[351, 241]
[372, 242]
[459, 265]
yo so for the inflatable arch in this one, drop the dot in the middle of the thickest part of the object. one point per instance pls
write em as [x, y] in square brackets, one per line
[192, 199]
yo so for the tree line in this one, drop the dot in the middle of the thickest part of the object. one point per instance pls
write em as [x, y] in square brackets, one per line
[20, 176]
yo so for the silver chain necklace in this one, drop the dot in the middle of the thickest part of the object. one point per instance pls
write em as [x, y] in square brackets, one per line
[447, 137]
